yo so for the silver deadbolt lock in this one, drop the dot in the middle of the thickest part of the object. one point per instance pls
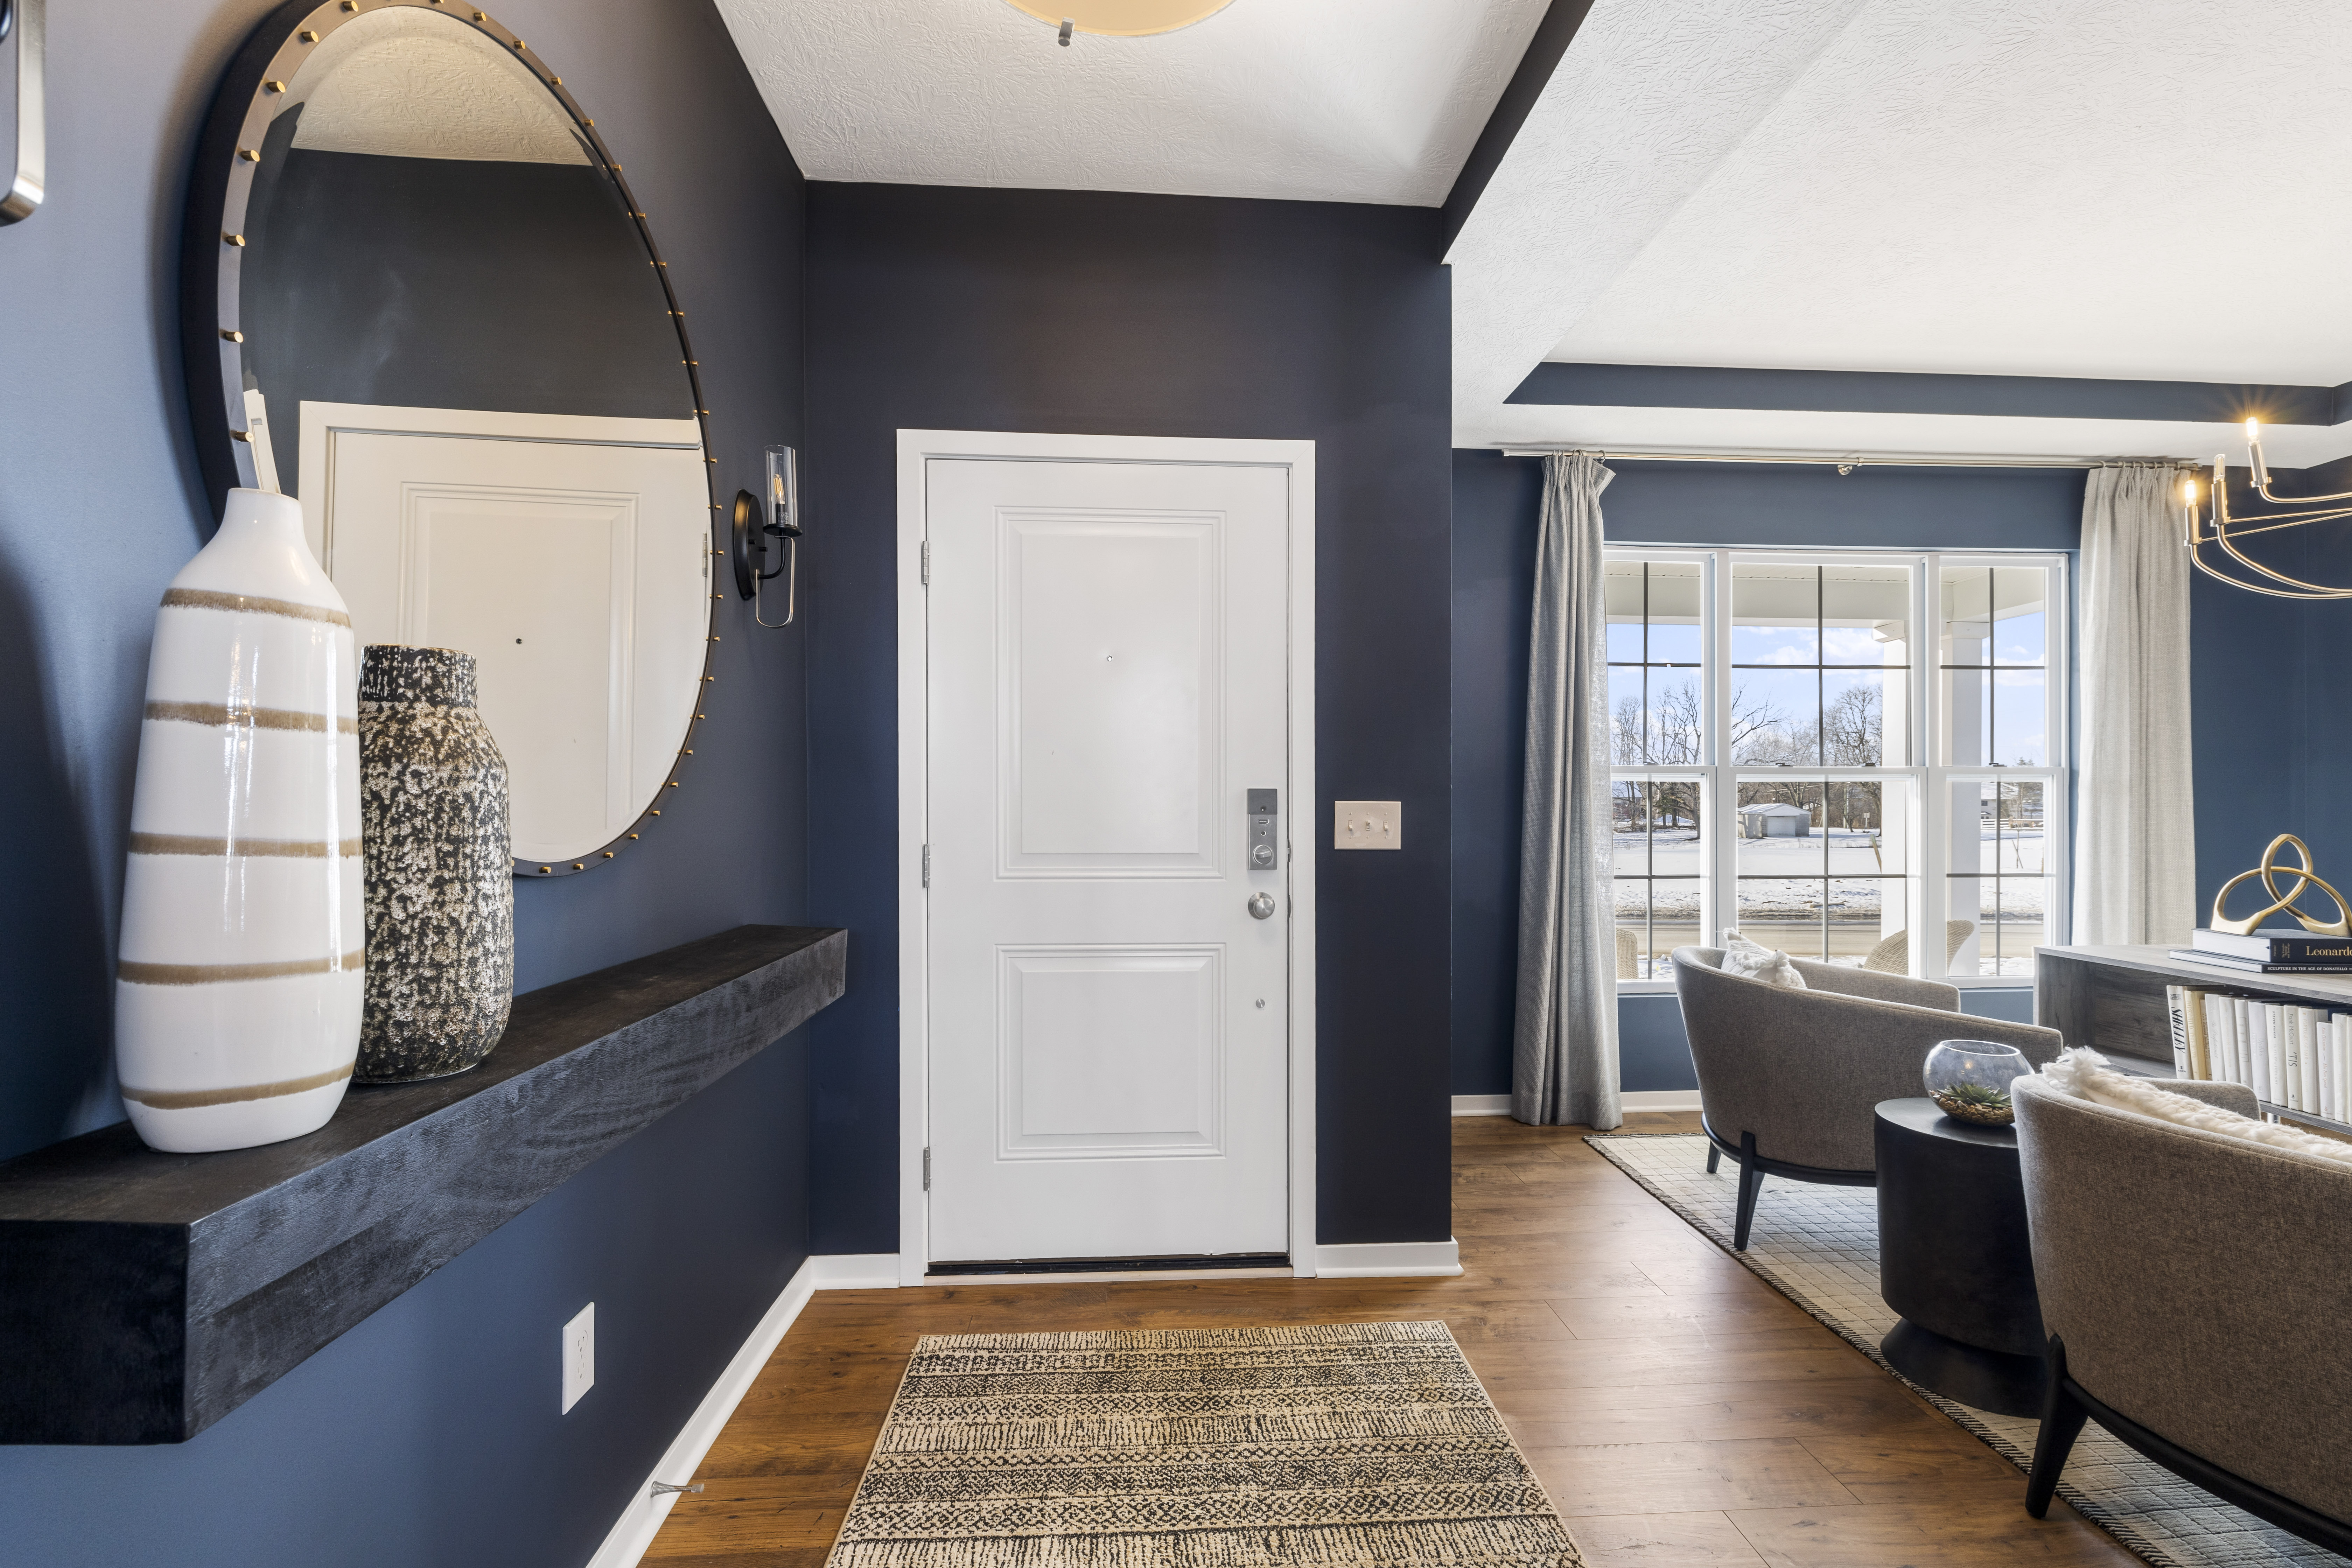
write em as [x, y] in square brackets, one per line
[1261, 906]
[1265, 842]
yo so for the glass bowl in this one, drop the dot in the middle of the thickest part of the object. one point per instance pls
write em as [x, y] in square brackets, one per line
[1970, 1079]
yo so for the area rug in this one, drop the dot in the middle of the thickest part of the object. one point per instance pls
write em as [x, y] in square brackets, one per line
[1367, 1445]
[1819, 1247]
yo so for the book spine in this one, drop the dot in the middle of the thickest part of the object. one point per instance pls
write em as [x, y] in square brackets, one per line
[2176, 1011]
[2201, 1050]
[2257, 1052]
[2307, 1033]
[2276, 948]
[2242, 1041]
[2344, 1066]
[2289, 1083]
[2274, 1032]
[2325, 1036]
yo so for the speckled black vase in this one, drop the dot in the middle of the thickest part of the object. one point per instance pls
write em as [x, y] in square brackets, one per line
[440, 882]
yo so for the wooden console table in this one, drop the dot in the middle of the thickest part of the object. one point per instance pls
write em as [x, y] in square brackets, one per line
[2111, 999]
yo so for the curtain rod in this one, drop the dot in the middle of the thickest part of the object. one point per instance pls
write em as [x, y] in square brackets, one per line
[1846, 460]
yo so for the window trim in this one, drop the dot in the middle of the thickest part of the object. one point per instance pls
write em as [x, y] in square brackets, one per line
[1928, 883]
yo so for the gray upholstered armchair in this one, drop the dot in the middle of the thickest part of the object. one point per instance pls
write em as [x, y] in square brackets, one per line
[2195, 1287]
[1788, 1079]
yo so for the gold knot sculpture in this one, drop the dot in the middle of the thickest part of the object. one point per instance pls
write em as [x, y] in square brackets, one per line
[2270, 870]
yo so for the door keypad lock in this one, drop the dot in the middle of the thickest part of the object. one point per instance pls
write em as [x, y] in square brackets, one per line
[1265, 842]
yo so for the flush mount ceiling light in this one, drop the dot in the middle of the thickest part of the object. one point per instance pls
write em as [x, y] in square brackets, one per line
[1119, 18]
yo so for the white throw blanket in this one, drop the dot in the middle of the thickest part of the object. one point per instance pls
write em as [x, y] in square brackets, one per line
[2085, 1074]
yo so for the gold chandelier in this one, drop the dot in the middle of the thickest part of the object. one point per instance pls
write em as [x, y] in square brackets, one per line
[2216, 529]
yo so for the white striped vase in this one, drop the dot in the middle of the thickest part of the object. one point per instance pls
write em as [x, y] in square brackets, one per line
[237, 1015]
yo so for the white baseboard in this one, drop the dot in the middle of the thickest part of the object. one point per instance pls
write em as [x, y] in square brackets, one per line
[1387, 1259]
[1636, 1100]
[857, 1271]
[634, 1532]
[638, 1523]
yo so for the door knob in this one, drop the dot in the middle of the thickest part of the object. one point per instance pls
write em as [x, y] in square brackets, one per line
[1261, 906]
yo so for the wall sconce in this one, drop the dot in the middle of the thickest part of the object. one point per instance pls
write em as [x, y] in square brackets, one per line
[755, 524]
[25, 19]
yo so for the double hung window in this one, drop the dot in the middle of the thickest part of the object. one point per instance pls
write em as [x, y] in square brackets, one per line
[1792, 756]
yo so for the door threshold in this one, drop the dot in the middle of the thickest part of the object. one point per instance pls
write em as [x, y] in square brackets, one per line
[1116, 1276]
[1086, 1270]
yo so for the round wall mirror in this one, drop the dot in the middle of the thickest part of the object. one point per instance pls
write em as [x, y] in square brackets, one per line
[421, 301]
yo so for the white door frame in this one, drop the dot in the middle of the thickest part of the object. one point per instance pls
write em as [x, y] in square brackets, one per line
[915, 448]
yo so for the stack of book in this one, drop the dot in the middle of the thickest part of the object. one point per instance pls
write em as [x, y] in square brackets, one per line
[2290, 1055]
[2269, 951]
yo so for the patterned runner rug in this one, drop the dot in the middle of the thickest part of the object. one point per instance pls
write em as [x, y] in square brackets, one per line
[1819, 1247]
[1355, 1445]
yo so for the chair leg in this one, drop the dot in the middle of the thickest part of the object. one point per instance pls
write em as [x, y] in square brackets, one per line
[2062, 1423]
[1713, 1157]
[1750, 1179]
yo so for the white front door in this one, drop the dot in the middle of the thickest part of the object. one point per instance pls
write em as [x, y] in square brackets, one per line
[1109, 1021]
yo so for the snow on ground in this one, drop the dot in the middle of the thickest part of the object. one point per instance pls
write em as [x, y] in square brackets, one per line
[1784, 881]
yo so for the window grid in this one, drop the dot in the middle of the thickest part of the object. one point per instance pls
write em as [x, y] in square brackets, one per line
[2005, 928]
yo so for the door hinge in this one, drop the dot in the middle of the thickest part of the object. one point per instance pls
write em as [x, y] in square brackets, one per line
[926, 865]
[926, 563]
[926, 1170]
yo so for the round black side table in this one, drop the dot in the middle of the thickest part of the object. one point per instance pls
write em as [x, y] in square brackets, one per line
[1952, 1259]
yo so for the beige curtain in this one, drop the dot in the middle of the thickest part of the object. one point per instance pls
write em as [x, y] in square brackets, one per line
[1564, 1045]
[2136, 827]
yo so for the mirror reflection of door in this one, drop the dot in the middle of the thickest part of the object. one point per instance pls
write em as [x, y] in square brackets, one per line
[566, 554]
[449, 297]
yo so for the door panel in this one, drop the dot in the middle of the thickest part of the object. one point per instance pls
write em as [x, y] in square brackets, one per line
[1110, 1052]
[1107, 1024]
[1112, 705]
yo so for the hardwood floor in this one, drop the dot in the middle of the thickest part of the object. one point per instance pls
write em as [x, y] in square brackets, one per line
[1679, 1411]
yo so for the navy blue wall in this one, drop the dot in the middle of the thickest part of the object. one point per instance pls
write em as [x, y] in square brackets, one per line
[1063, 312]
[2272, 751]
[1497, 502]
[429, 1433]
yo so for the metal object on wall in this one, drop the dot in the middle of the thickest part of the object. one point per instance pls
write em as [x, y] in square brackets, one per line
[755, 524]
[2216, 528]
[25, 21]
[266, 108]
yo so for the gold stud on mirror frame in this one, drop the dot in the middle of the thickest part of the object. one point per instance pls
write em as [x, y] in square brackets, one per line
[2269, 871]
[250, 154]
[307, 35]
[273, 87]
[232, 334]
[238, 239]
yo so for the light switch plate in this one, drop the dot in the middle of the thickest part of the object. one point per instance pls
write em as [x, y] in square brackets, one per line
[1367, 825]
[579, 1356]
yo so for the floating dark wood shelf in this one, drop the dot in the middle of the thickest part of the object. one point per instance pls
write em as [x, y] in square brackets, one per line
[144, 1296]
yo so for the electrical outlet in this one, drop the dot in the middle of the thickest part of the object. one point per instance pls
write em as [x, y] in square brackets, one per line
[1367, 825]
[579, 1356]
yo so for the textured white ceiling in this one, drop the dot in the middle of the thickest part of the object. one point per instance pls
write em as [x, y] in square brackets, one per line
[2134, 188]
[1358, 100]
[405, 83]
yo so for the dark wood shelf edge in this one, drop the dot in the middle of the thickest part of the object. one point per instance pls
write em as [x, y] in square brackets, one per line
[144, 1296]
